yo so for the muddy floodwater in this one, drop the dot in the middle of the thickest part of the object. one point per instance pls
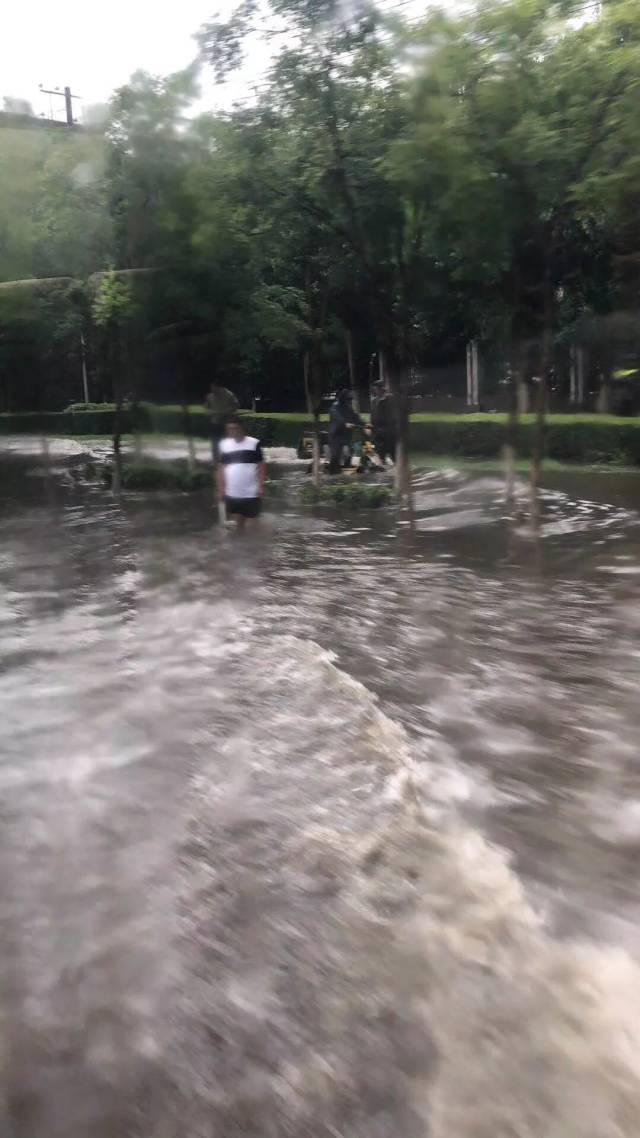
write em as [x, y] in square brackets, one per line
[330, 833]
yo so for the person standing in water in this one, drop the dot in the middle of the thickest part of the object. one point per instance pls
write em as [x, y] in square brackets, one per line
[342, 420]
[220, 403]
[241, 473]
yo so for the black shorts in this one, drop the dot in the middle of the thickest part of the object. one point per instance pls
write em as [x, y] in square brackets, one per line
[244, 507]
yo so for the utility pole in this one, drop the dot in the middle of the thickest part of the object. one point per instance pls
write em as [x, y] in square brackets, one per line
[68, 97]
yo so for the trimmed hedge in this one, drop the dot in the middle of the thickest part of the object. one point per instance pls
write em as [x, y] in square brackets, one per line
[569, 438]
[58, 423]
[149, 419]
[151, 475]
[594, 439]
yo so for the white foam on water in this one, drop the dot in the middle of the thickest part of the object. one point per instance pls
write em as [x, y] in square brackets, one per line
[319, 845]
[535, 1038]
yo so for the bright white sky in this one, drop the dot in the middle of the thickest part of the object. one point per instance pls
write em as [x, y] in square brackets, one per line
[94, 47]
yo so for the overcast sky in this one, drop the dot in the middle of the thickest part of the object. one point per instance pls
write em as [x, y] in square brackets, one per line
[93, 47]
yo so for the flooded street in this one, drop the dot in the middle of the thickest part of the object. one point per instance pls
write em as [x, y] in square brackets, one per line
[330, 832]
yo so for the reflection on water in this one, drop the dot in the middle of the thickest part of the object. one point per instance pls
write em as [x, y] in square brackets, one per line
[330, 833]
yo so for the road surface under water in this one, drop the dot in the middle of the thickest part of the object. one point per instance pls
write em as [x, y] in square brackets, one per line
[333, 832]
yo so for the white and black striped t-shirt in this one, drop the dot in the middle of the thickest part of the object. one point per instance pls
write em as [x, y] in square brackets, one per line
[240, 459]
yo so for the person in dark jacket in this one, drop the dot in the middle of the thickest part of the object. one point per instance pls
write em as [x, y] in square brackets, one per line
[342, 420]
[383, 421]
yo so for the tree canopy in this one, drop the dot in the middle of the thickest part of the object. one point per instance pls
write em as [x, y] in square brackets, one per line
[391, 188]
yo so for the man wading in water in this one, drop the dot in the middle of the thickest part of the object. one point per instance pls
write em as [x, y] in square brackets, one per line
[240, 476]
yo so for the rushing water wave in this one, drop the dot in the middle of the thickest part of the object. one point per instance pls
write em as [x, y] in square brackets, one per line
[330, 834]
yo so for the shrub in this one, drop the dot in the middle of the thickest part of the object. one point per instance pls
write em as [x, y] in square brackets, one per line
[154, 475]
[586, 439]
[98, 422]
[353, 495]
[171, 421]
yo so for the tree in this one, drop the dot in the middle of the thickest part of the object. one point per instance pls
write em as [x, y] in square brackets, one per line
[339, 106]
[113, 308]
[516, 115]
[41, 322]
[15, 106]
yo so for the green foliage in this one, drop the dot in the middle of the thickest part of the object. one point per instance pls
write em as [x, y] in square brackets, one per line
[113, 303]
[54, 217]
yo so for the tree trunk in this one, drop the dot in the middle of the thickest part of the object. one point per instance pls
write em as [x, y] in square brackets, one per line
[522, 392]
[313, 410]
[539, 429]
[186, 426]
[46, 457]
[516, 368]
[137, 437]
[576, 375]
[83, 365]
[117, 362]
[352, 370]
[116, 481]
[473, 375]
[398, 384]
[603, 401]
